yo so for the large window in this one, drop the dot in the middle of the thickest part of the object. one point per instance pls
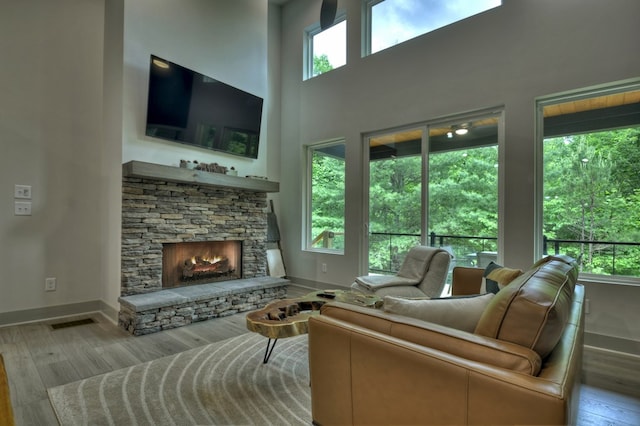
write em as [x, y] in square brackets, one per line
[591, 185]
[326, 50]
[435, 184]
[325, 197]
[390, 22]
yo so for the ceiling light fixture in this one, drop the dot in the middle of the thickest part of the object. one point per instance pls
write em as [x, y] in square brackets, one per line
[461, 129]
[160, 63]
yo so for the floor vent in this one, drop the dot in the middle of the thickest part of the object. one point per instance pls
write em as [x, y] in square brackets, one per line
[72, 323]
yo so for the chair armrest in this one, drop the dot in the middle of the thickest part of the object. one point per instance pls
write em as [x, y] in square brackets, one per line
[466, 281]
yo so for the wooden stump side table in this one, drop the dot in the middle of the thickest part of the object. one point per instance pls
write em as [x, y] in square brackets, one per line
[290, 317]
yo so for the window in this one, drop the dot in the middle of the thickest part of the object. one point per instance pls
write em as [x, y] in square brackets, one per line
[590, 182]
[326, 50]
[434, 184]
[390, 22]
[325, 197]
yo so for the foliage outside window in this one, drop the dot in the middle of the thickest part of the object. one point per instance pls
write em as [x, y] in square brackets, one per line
[326, 197]
[394, 210]
[463, 201]
[591, 196]
[327, 49]
[462, 193]
[391, 22]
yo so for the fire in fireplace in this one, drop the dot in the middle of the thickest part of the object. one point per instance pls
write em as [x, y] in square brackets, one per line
[200, 262]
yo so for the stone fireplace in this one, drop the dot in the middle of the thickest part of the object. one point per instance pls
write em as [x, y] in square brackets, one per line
[193, 246]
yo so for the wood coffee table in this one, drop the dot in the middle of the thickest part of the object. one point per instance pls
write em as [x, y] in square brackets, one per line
[290, 317]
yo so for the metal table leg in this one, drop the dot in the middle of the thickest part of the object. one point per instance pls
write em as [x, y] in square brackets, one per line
[270, 347]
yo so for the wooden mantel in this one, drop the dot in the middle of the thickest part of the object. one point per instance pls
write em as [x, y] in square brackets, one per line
[140, 169]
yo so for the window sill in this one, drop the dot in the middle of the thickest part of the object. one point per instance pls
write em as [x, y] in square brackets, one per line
[609, 280]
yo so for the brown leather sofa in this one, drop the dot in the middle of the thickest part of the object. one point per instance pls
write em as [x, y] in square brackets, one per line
[521, 365]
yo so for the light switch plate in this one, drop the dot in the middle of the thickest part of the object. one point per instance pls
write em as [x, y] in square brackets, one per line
[22, 191]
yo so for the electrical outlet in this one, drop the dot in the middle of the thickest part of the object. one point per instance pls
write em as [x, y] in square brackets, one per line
[22, 191]
[324, 267]
[49, 284]
[587, 306]
[22, 208]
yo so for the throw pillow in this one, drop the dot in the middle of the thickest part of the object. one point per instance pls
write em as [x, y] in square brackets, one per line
[462, 313]
[496, 277]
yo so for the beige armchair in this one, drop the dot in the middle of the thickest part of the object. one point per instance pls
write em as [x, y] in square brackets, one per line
[423, 273]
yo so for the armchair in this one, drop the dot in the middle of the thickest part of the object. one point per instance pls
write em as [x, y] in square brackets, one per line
[423, 273]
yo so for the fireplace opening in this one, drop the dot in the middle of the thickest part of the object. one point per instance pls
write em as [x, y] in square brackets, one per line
[200, 262]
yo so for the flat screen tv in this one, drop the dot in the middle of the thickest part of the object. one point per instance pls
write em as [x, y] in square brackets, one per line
[190, 108]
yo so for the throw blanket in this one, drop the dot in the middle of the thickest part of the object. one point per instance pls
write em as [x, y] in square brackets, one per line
[374, 282]
[412, 271]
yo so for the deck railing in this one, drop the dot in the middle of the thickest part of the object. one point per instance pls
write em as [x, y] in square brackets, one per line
[597, 257]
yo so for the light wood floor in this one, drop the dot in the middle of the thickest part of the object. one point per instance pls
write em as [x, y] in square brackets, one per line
[38, 357]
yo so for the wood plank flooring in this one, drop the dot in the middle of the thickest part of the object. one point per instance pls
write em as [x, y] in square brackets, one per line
[38, 357]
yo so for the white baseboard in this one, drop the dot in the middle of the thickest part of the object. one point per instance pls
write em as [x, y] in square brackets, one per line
[51, 312]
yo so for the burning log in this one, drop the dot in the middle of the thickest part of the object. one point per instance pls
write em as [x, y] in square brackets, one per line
[198, 267]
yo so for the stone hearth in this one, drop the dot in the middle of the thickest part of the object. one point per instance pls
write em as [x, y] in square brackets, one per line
[163, 204]
[162, 310]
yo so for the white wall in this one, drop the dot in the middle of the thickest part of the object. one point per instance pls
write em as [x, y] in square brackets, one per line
[73, 86]
[51, 136]
[226, 40]
[507, 57]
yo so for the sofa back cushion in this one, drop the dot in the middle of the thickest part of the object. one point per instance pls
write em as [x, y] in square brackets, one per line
[461, 313]
[533, 309]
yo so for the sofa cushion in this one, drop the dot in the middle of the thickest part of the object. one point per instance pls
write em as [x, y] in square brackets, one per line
[533, 309]
[495, 277]
[447, 339]
[461, 313]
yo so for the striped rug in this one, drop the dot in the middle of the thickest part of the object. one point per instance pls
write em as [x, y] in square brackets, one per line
[221, 383]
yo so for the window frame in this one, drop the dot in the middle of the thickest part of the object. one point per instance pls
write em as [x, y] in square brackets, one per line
[497, 112]
[540, 104]
[309, 33]
[308, 237]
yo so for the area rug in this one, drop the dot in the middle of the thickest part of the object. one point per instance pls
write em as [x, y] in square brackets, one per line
[221, 383]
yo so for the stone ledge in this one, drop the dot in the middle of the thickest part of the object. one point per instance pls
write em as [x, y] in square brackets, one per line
[166, 309]
[196, 293]
[144, 170]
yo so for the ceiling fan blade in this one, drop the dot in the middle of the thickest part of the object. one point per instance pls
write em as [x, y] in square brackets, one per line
[328, 13]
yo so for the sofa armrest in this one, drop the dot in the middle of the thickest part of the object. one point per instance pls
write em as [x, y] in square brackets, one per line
[456, 342]
[466, 281]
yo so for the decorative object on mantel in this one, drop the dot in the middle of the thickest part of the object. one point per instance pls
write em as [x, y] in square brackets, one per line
[212, 167]
[257, 177]
[186, 164]
[206, 167]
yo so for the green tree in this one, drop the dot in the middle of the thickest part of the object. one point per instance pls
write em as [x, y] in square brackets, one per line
[590, 189]
[327, 200]
[321, 64]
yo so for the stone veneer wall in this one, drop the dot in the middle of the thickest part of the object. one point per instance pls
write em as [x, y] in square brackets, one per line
[163, 310]
[157, 211]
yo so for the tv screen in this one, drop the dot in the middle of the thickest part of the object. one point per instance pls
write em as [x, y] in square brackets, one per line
[188, 107]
